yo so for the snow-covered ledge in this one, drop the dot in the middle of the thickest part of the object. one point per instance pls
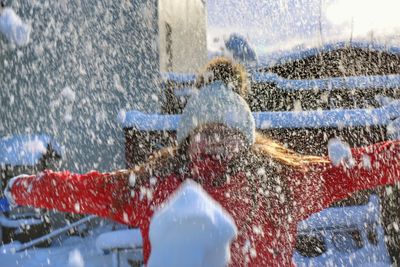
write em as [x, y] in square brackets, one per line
[119, 240]
[343, 217]
[334, 83]
[26, 150]
[278, 120]
[291, 85]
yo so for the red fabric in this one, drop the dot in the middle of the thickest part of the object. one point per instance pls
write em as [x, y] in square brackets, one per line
[264, 240]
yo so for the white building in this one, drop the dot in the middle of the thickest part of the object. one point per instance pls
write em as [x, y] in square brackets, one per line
[88, 60]
[182, 30]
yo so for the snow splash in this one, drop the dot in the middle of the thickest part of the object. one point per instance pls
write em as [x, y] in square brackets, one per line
[14, 29]
[192, 229]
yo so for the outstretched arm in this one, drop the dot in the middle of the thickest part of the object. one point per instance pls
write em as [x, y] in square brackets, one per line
[375, 165]
[326, 183]
[90, 193]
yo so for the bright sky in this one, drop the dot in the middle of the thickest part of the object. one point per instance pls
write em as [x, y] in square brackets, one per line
[283, 23]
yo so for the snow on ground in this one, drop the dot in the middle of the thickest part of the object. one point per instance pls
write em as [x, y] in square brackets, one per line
[191, 230]
[336, 227]
[68, 252]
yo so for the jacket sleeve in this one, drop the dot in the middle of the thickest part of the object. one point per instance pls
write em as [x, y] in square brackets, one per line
[323, 184]
[91, 193]
[378, 164]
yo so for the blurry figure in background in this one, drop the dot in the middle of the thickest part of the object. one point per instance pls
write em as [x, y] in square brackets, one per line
[265, 189]
[12, 27]
[241, 50]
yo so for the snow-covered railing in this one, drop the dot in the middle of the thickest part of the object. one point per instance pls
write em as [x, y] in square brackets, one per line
[350, 236]
[334, 83]
[279, 120]
[54, 233]
[6, 222]
[26, 150]
[343, 217]
[328, 118]
[119, 240]
[297, 53]
[348, 83]
[327, 84]
[178, 77]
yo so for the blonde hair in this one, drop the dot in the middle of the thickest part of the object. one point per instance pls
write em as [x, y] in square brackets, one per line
[274, 150]
[168, 160]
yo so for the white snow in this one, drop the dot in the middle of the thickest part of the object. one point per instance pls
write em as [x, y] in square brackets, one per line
[283, 119]
[178, 77]
[68, 252]
[6, 222]
[120, 239]
[150, 122]
[68, 93]
[35, 146]
[191, 229]
[26, 150]
[14, 29]
[393, 129]
[75, 259]
[190, 223]
[333, 83]
[335, 226]
[339, 152]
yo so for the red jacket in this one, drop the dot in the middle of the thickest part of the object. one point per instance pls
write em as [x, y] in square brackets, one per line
[265, 239]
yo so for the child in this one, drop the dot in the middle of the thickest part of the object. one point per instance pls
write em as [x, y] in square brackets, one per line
[266, 190]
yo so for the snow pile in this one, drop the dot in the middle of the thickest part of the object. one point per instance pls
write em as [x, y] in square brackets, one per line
[14, 29]
[191, 230]
[121, 239]
[26, 150]
[75, 259]
[339, 152]
[68, 251]
[35, 146]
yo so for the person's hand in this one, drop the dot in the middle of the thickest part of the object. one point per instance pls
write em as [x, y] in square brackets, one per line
[339, 153]
[4, 205]
[7, 190]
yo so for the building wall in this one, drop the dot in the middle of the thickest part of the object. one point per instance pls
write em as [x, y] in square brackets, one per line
[86, 61]
[187, 20]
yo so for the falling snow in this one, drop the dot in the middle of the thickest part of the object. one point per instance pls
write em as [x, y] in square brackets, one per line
[102, 85]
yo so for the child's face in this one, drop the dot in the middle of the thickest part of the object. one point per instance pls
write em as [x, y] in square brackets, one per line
[216, 141]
